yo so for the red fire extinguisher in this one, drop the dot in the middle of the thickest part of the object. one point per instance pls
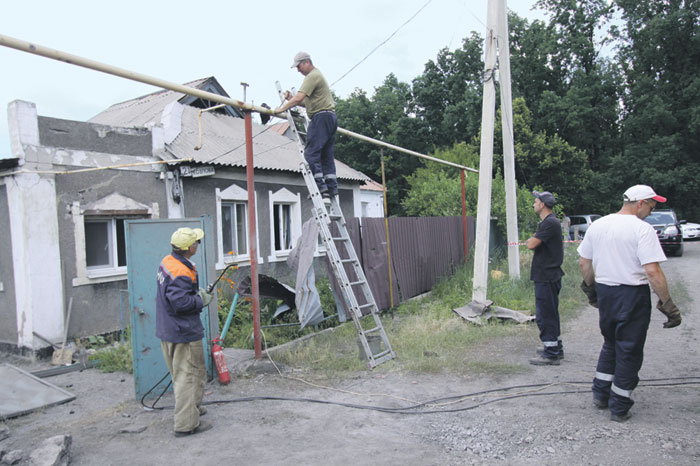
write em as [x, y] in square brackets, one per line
[218, 354]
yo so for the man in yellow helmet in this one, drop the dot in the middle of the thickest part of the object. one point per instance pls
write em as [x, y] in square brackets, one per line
[179, 302]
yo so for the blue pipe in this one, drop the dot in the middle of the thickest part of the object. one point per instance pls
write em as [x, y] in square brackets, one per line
[229, 318]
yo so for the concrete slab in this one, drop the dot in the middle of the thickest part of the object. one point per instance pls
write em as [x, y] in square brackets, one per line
[24, 393]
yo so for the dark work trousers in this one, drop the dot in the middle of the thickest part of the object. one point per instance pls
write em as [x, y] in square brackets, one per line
[547, 316]
[625, 312]
[320, 143]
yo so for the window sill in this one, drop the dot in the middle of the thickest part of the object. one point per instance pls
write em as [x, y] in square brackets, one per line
[93, 278]
[279, 256]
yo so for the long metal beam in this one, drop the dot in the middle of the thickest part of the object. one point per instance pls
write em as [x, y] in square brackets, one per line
[71, 59]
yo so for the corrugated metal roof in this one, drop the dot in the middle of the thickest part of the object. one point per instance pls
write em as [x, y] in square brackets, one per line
[223, 135]
[223, 143]
[142, 111]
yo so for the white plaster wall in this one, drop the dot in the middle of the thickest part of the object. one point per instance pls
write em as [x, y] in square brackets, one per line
[374, 200]
[35, 258]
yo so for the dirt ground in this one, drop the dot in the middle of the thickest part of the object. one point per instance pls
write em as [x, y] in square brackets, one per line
[534, 430]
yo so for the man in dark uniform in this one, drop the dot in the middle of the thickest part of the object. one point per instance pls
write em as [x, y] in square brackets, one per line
[620, 257]
[179, 302]
[546, 272]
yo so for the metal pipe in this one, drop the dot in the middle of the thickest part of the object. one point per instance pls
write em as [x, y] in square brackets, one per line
[388, 246]
[47, 52]
[71, 59]
[84, 170]
[252, 234]
[401, 149]
[200, 122]
[464, 218]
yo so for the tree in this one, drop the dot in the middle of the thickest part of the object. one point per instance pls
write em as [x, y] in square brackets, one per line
[660, 55]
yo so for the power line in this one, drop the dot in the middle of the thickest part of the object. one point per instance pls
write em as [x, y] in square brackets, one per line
[384, 42]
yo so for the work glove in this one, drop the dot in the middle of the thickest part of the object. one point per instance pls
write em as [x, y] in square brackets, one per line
[591, 292]
[206, 297]
[671, 311]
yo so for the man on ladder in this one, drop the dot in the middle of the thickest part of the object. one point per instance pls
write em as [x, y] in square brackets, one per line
[315, 96]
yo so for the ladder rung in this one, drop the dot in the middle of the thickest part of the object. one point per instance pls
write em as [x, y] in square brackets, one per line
[345, 261]
[365, 305]
[380, 355]
[340, 238]
[359, 282]
[375, 329]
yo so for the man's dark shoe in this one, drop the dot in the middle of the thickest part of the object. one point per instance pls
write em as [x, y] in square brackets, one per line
[202, 410]
[540, 352]
[600, 404]
[620, 417]
[326, 194]
[543, 361]
[202, 427]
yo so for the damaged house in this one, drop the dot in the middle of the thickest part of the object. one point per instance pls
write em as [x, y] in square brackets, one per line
[66, 230]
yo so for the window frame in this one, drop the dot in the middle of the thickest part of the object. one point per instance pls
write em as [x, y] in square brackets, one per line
[232, 195]
[110, 208]
[113, 245]
[277, 199]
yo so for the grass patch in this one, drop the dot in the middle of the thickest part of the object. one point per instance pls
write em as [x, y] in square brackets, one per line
[429, 338]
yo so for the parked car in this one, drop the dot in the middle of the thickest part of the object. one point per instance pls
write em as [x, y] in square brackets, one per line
[668, 229]
[690, 231]
[581, 223]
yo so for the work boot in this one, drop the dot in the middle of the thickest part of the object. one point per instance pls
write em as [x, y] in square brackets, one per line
[544, 361]
[620, 417]
[202, 427]
[599, 403]
[540, 352]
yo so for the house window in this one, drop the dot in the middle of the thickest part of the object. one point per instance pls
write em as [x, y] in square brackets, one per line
[100, 237]
[234, 228]
[285, 223]
[105, 244]
[282, 214]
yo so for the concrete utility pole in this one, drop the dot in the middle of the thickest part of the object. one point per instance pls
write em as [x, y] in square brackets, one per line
[496, 59]
[488, 108]
[508, 149]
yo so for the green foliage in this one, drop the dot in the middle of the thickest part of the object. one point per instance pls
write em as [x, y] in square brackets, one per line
[436, 193]
[114, 357]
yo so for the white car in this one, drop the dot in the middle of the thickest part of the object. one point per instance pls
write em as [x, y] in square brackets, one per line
[690, 230]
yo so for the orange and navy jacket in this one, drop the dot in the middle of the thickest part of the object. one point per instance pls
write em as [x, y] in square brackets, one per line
[177, 303]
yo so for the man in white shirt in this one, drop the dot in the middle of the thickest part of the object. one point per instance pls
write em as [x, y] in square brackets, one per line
[620, 257]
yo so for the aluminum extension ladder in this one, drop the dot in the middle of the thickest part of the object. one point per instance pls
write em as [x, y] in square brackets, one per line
[298, 122]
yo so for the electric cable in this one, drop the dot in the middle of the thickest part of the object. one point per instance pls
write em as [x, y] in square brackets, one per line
[412, 410]
[382, 43]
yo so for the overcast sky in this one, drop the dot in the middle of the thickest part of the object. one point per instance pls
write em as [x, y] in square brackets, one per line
[234, 41]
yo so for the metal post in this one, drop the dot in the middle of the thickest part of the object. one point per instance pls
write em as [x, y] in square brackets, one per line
[464, 218]
[252, 234]
[386, 229]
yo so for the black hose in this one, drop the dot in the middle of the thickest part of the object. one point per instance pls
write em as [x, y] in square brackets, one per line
[211, 286]
[413, 408]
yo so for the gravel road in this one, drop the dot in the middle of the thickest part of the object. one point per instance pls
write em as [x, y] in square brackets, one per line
[552, 429]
